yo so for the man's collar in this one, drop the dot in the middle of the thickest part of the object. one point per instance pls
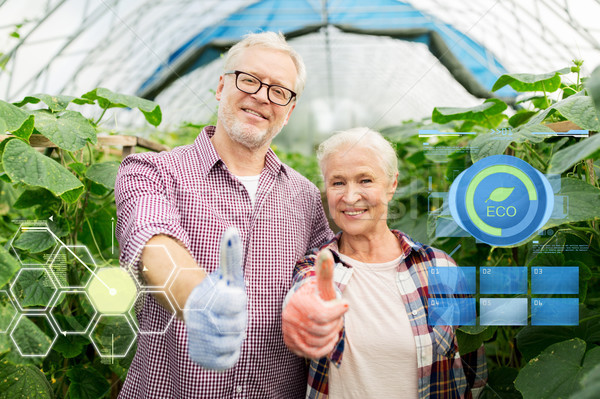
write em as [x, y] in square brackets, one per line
[209, 157]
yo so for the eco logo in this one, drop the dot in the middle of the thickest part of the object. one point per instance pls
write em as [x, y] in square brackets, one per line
[501, 200]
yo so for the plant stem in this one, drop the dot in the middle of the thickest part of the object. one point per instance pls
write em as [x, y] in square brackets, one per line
[94, 239]
[101, 115]
[89, 148]
[536, 155]
[545, 94]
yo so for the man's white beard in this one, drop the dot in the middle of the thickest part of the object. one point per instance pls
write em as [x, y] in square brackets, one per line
[247, 135]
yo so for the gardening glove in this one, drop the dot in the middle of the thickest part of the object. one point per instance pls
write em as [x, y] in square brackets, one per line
[215, 313]
[313, 317]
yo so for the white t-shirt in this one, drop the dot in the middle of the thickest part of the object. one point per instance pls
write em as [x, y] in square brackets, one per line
[251, 184]
[380, 354]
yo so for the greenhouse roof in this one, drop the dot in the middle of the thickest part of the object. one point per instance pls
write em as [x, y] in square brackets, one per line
[369, 62]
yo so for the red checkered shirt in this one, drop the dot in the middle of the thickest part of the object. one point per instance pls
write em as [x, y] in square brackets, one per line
[442, 371]
[188, 193]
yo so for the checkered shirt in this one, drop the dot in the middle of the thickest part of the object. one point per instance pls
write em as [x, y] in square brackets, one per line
[189, 194]
[442, 371]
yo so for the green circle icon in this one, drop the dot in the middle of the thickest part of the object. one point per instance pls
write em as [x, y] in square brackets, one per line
[112, 290]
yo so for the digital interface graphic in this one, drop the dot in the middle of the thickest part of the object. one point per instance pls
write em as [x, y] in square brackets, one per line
[501, 201]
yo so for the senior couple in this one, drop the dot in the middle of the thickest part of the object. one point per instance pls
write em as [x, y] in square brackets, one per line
[309, 314]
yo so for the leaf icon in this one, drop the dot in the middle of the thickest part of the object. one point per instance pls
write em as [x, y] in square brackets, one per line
[500, 194]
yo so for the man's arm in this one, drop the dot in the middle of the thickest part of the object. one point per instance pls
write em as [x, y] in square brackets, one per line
[153, 270]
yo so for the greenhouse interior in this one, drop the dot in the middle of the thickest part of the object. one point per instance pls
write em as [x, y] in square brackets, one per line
[118, 124]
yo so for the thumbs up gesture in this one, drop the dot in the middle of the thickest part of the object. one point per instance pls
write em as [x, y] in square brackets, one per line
[313, 317]
[215, 312]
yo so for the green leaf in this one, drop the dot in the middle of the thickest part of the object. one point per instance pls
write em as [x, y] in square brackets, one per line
[557, 371]
[70, 345]
[104, 173]
[566, 158]
[593, 87]
[580, 110]
[109, 99]
[486, 144]
[69, 130]
[55, 103]
[36, 197]
[34, 288]
[500, 385]
[583, 202]
[480, 113]
[470, 338]
[590, 385]
[30, 338]
[521, 82]
[23, 382]
[8, 266]
[500, 194]
[16, 121]
[34, 241]
[87, 383]
[532, 340]
[24, 164]
[520, 118]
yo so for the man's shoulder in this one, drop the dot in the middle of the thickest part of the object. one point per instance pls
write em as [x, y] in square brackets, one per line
[163, 158]
[298, 179]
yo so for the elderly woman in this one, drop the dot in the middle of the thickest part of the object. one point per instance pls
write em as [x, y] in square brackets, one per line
[381, 278]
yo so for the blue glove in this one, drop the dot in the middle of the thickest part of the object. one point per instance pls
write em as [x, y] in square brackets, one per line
[215, 313]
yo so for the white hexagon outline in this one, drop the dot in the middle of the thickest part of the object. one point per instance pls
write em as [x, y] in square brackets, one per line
[12, 284]
[22, 225]
[174, 313]
[183, 309]
[55, 255]
[49, 322]
[55, 300]
[139, 280]
[124, 315]
[10, 301]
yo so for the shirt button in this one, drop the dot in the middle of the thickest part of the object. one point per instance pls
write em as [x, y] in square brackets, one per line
[238, 389]
[414, 312]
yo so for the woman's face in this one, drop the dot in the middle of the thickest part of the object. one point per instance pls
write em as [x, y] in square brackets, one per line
[358, 190]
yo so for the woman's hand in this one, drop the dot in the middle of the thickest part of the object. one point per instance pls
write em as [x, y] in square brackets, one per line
[313, 317]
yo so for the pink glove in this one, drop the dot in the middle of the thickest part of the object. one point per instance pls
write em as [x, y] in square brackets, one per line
[313, 317]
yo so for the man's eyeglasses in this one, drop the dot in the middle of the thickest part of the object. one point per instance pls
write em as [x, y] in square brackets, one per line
[251, 84]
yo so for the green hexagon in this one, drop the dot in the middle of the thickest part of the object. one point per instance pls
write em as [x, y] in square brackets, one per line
[112, 290]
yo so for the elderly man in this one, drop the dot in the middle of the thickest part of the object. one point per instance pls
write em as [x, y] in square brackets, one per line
[173, 208]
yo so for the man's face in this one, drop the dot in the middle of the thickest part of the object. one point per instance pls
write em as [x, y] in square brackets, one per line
[251, 119]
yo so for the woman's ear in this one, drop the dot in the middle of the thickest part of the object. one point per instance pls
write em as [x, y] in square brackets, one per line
[393, 187]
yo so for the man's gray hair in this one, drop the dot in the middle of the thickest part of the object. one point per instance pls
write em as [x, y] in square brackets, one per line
[270, 40]
[361, 137]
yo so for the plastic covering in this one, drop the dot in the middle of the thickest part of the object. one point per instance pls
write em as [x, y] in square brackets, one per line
[369, 62]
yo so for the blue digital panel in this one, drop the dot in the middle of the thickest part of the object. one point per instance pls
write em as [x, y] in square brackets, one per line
[451, 312]
[452, 280]
[503, 311]
[503, 280]
[555, 311]
[554, 280]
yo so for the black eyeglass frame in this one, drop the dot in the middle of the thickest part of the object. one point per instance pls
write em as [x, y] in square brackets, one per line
[261, 84]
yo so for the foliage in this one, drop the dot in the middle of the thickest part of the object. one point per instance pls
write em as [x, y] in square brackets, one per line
[70, 192]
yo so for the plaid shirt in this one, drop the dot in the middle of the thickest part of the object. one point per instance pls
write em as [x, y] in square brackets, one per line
[442, 371]
[189, 194]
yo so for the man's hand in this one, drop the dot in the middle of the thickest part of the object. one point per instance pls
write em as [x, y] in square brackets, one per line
[215, 313]
[313, 317]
